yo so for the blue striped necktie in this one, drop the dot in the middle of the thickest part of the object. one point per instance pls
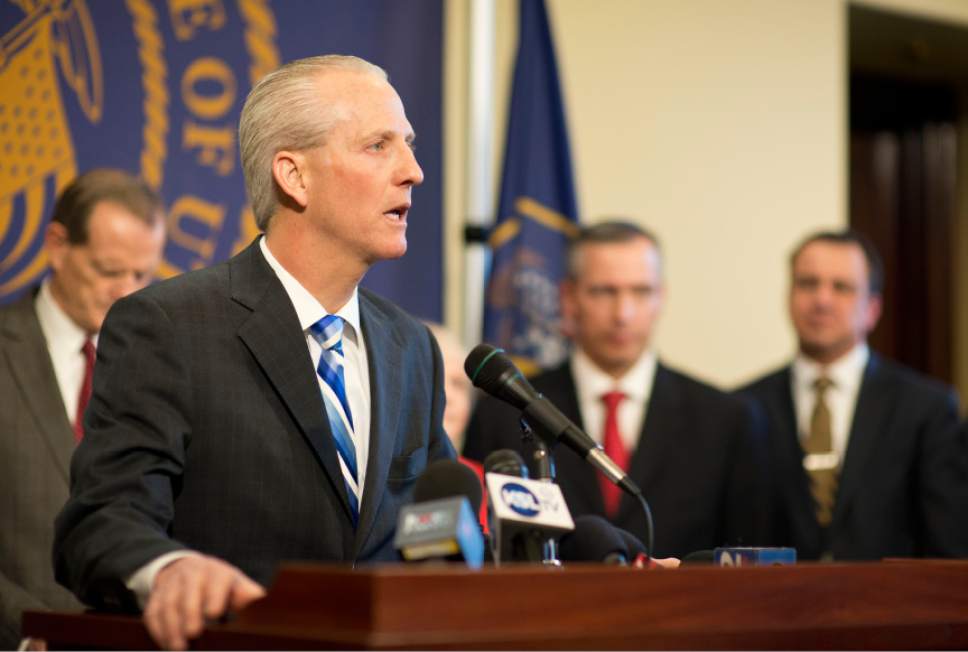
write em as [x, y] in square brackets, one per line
[328, 331]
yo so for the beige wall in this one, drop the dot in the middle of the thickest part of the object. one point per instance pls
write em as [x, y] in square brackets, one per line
[719, 124]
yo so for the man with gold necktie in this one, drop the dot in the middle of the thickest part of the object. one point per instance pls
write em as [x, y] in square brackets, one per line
[865, 454]
[688, 446]
[104, 241]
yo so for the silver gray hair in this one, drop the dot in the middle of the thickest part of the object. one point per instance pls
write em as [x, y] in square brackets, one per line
[283, 112]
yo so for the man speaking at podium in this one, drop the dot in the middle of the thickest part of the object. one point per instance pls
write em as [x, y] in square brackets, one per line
[264, 409]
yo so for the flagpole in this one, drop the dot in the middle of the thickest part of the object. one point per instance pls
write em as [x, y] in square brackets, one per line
[478, 170]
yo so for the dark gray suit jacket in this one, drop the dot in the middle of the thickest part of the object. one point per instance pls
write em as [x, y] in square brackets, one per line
[36, 442]
[207, 430]
[904, 479]
[695, 463]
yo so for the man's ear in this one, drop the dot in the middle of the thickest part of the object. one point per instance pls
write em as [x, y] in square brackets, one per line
[56, 244]
[566, 300]
[287, 170]
[875, 305]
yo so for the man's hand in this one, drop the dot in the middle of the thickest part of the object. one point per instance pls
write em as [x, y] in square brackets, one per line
[190, 590]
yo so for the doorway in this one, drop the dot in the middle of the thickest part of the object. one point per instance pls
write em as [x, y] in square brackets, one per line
[908, 184]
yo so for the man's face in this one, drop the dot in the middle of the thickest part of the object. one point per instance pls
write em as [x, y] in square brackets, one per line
[119, 257]
[361, 177]
[830, 301]
[612, 304]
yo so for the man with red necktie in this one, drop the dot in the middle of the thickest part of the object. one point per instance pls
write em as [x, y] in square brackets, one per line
[104, 241]
[688, 446]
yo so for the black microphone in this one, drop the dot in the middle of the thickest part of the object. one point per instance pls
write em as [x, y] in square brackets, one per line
[441, 522]
[526, 516]
[633, 543]
[491, 370]
[513, 545]
[506, 462]
[446, 478]
[595, 539]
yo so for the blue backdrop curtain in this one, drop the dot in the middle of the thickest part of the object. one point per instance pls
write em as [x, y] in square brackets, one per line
[156, 88]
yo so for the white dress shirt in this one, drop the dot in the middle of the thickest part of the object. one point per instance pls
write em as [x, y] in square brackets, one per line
[65, 339]
[357, 377]
[841, 397]
[591, 383]
[355, 370]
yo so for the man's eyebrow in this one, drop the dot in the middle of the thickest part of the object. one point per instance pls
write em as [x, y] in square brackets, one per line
[390, 134]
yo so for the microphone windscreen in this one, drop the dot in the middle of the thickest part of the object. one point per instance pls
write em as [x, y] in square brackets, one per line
[507, 462]
[485, 364]
[494, 372]
[593, 539]
[447, 478]
[632, 543]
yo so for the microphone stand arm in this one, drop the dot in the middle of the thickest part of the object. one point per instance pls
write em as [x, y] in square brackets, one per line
[555, 427]
[544, 466]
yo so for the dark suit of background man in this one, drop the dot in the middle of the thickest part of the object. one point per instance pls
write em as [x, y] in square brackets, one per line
[104, 240]
[687, 445]
[210, 455]
[867, 457]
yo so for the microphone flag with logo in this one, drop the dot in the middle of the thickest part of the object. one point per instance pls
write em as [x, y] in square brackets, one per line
[441, 523]
[537, 211]
[524, 514]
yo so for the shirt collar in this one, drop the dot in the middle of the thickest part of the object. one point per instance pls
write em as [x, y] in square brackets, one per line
[846, 372]
[308, 309]
[60, 330]
[636, 384]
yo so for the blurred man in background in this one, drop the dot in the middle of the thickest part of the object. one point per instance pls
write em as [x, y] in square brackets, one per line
[104, 241]
[865, 453]
[687, 445]
[459, 393]
[458, 388]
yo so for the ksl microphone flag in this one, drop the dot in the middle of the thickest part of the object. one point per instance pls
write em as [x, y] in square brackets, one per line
[440, 529]
[524, 514]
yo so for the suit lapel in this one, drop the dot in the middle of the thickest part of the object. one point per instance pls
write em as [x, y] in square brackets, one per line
[273, 336]
[32, 370]
[384, 352]
[658, 429]
[871, 415]
[798, 503]
[584, 494]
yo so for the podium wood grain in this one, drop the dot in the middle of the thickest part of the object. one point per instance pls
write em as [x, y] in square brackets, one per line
[887, 605]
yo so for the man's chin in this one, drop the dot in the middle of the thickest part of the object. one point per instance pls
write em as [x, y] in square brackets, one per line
[390, 252]
[823, 351]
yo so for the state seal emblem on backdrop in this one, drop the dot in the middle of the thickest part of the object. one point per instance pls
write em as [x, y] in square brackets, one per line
[149, 86]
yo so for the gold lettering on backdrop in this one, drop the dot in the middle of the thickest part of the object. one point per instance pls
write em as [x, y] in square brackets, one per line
[213, 70]
[187, 16]
[194, 224]
[216, 145]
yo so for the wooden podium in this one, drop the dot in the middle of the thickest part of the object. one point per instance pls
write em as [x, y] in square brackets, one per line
[887, 605]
